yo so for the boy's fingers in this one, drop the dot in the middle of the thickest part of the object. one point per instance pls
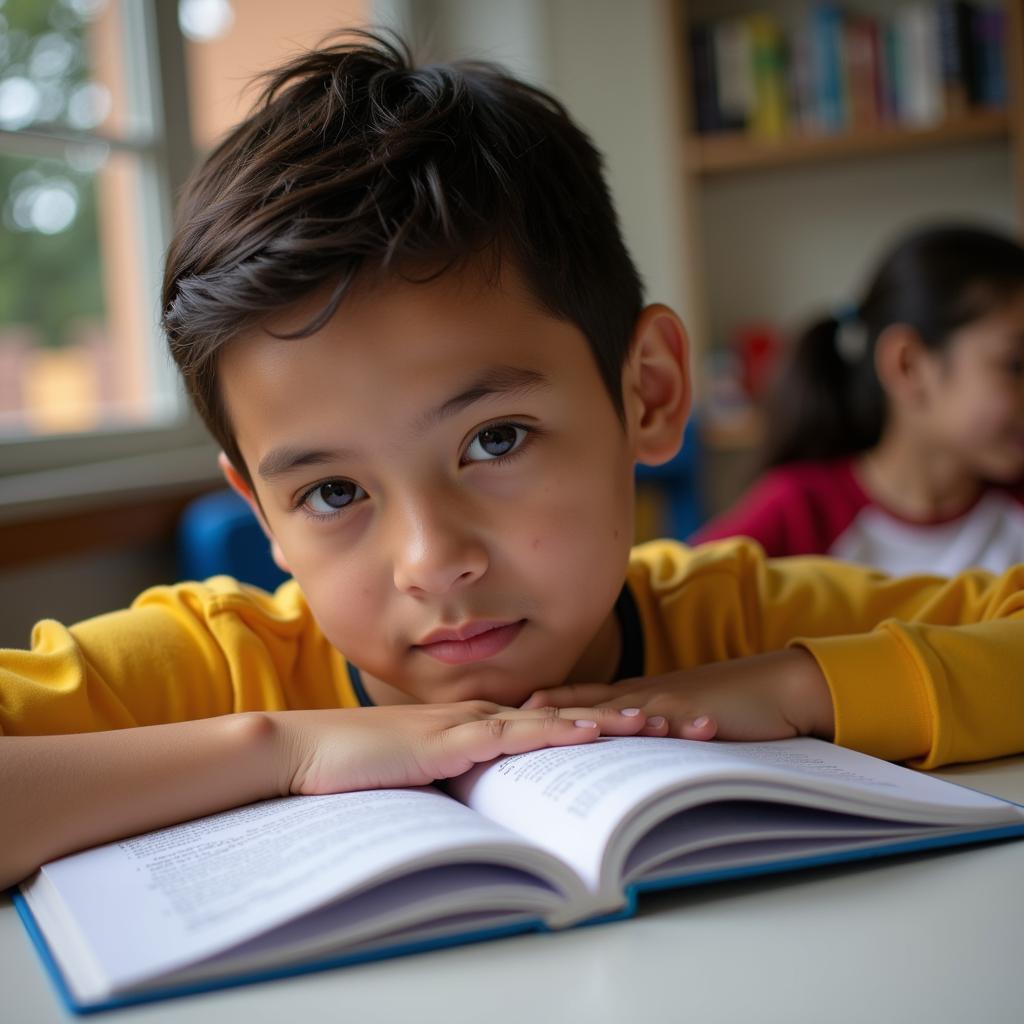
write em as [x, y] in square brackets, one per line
[488, 738]
[571, 695]
[611, 721]
[703, 727]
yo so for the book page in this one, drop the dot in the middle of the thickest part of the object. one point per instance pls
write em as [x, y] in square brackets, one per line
[571, 799]
[161, 900]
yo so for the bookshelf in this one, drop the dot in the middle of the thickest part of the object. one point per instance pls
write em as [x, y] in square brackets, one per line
[782, 225]
[725, 153]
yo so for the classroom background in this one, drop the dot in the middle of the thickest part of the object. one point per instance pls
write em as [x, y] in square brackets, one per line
[761, 155]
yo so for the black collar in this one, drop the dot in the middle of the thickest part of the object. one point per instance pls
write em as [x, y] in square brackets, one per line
[631, 660]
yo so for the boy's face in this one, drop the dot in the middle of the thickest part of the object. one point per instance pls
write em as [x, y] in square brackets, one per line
[444, 473]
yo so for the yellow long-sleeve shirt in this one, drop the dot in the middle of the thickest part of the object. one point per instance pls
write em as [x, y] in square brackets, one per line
[922, 667]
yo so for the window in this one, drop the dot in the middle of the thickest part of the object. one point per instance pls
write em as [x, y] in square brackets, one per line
[85, 182]
[95, 137]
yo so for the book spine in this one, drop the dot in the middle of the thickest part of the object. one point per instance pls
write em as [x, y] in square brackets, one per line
[705, 89]
[990, 55]
[826, 43]
[768, 118]
[890, 72]
[860, 71]
[949, 54]
[920, 80]
[802, 98]
[734, 72]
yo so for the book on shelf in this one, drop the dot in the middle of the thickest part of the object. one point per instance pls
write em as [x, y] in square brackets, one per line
[830, 69]
[957, 56]
[538, 841]
[919, 70]
[769, 115]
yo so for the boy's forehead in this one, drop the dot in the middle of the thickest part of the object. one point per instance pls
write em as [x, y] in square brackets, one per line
[390, 336]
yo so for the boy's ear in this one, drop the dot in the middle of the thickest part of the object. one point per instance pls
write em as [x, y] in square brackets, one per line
[904, 365]
[238, 484]
[656, 385]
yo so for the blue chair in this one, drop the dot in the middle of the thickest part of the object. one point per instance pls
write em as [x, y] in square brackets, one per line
[679, 484]
[219, 534]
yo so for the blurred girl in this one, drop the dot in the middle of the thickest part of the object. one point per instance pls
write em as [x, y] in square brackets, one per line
[896, 436]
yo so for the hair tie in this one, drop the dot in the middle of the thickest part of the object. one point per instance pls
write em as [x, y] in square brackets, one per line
[851, 335]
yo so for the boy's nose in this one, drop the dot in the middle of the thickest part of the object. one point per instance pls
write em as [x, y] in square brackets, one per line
[434, 552]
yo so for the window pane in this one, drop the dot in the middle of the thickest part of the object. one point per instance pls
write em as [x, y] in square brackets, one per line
[76, 326]
[229, 42]
[62, 66]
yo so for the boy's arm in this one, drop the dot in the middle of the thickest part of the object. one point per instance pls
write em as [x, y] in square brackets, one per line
[764, 697]
[63, 793]
[921, 668]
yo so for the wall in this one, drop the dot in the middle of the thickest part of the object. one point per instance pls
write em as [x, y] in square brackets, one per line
[72, 589]
[786, 243]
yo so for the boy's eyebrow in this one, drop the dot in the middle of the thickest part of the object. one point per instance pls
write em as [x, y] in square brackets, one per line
[495, 380]
[284, 460]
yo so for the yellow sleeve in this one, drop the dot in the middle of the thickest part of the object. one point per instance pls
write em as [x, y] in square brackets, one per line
[189, 651]
[923, 668]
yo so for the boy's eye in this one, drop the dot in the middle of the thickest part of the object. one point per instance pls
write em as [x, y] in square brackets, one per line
[494, 442]
[331, 496]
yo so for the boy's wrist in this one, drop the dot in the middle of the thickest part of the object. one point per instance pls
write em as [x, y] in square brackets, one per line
[808, 697]
[264, 750]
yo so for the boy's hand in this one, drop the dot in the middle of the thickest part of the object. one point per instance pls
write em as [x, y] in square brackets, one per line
[413, 745]
[765, 697]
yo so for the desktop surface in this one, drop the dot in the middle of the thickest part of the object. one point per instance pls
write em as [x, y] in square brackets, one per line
[934, 937]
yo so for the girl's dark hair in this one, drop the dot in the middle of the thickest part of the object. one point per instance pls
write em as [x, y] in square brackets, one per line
[828, 401]
[356, 160]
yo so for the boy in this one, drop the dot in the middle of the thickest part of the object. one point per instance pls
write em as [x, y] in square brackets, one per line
[400, 300]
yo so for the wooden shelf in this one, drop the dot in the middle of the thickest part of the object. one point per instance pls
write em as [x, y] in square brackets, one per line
[734, 152]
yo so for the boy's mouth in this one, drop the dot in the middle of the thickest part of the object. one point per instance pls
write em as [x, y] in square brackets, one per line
[472, 642]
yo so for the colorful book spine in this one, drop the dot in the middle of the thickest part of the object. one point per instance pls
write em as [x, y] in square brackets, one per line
[921, 70]
[837, 69]
[861, 75]
[826, 62]
[769, 117]
[734, 72]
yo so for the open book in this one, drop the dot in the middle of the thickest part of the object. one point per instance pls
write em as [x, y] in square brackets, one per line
[539, 840]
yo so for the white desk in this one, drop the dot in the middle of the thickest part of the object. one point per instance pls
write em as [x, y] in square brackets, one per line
[931, 938]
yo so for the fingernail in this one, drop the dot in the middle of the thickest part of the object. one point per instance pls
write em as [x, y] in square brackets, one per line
[656, 721]
[630, 712]
[585, 723]
[700, 722]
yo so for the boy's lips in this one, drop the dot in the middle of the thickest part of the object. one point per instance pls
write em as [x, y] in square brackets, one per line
[472, 642]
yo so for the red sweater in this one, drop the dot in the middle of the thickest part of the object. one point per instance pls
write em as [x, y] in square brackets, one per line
[808, 508]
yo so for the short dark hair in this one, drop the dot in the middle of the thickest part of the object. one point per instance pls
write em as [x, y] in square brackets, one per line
[355, 159]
